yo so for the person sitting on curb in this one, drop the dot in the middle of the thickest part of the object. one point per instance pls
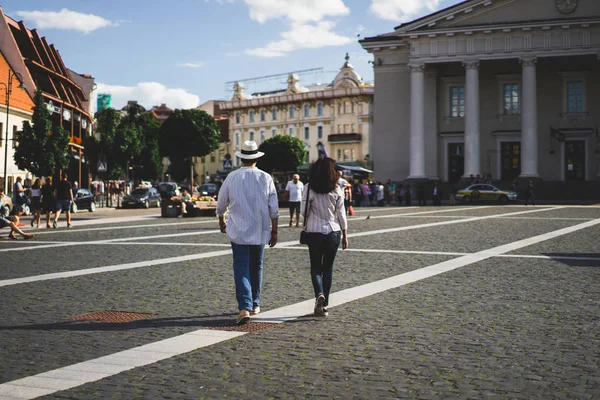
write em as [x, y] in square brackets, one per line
[11, 221]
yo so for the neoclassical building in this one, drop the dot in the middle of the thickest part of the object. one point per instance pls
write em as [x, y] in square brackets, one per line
[337, 115]
[509, 88]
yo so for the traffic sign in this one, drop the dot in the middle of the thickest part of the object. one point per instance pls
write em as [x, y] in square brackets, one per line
[227, 164]
[101, 166]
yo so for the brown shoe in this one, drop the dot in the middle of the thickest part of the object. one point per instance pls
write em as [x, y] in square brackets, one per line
[28, 236]
[243, 317]
[255, 311]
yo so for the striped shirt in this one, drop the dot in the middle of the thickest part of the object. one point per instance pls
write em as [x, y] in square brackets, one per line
[326, 212]
[250, 196]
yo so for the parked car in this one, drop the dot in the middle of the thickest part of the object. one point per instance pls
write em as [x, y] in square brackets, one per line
[485, 192]
[83, 200]
[209, 189]
[141, 197]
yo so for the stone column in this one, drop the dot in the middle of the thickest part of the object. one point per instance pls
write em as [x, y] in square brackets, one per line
[417, 122]
[472, 120]
[529, 125]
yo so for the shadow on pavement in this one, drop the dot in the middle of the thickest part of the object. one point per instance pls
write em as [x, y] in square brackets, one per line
[576, 259]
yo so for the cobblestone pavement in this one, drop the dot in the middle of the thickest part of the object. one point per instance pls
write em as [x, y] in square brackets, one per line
[498, 301]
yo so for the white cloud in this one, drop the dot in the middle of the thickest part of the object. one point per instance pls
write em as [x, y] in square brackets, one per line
[302, 36]
[65, 19]
[192, 64]
[402, 10]
[148, 94]
[296, 10]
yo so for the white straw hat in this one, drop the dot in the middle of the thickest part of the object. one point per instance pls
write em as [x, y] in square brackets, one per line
[249, 151]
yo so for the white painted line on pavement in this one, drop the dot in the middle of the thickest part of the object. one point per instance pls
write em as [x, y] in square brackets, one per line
[112, 228]
[102, 367]
[68, 274]
[338, 298]
[99, 368]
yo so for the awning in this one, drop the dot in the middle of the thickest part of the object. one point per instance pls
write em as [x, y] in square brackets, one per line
[354, 168]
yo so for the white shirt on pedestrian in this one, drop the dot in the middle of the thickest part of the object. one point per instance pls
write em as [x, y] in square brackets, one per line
[326, 212]
[249, 196]
[295, 190]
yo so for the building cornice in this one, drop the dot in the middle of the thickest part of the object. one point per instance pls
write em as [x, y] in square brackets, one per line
[298, 97]
[503, 28]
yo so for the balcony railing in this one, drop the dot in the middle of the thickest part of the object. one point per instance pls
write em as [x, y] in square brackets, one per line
[345, 137]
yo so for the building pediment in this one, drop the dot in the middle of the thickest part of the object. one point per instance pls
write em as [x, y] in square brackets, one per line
[489, 13]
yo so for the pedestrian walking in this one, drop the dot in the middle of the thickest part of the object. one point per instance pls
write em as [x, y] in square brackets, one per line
[250, 198]
[295, 188]
[36, 203]
[326, 225]
[421, 195]
[530, 195]
[64, 199]
[18, 192]
[437, 194]
[11, 221]
[48, 200]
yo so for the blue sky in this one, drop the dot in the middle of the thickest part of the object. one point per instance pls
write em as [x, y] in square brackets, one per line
[182, 52]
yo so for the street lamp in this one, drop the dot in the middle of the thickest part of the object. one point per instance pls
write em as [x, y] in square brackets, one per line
[7, 92]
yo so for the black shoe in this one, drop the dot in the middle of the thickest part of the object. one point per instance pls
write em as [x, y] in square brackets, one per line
[319, 305]
[54, 225]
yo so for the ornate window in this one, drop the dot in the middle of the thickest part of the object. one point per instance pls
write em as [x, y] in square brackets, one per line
[263, 114]
[457, 101]
[274, 114]
[251, 135]
[511, 98]
[251, 115]
[237, 117]
[306, 132]
[320, 132]
[292, 111]
[575, 97]
[320, 109]
[307, 110]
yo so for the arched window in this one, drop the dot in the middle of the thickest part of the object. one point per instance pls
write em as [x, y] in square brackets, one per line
[307, 110]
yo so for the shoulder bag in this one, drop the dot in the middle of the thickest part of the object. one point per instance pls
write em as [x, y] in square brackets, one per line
[304, 233]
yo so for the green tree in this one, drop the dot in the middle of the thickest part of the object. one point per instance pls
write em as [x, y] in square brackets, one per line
[120, 140]
[185, 134]
[41, 149]
[149, 158]
[282, 153]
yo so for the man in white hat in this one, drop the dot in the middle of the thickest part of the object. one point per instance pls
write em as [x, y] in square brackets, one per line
[249, 196]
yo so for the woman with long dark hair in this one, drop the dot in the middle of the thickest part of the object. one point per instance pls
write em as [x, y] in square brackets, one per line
[326, 225]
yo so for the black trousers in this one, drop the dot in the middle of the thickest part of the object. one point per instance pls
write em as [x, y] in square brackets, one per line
[322, 250]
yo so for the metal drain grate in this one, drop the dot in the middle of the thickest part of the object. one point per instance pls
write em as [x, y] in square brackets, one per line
[111, 316]
[253, 327]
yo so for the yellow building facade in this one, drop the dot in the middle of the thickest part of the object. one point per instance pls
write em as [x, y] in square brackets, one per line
[337, 115]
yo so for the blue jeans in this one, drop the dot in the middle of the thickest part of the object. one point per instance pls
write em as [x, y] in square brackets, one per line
[247, 273]
[322, 250]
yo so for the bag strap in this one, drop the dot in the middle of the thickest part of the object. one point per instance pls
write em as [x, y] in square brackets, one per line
[306, 207]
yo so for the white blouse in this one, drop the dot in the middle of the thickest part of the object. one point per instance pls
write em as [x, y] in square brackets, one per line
[326, 212]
